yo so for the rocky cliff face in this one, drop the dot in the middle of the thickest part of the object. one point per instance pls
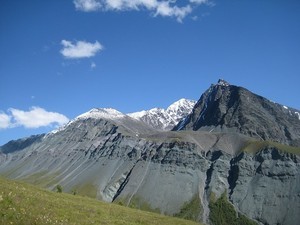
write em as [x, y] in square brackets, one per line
[266, 186]
[110, 156]
[229, 108]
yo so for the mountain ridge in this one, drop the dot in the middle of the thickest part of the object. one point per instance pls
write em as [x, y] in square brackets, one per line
[115, 158]
[165, 119]
[225, 107]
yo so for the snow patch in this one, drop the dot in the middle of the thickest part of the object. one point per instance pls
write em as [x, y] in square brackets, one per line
[182, 123]
[165, 118]
[292, 112]
[298, 114]
[59, 129]
[137, 115]
[104, 113]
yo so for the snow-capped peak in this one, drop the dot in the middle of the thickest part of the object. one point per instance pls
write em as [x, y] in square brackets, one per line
[181, 104]
[138, 114]
[95, 113]
[98, 113]
[165, 119]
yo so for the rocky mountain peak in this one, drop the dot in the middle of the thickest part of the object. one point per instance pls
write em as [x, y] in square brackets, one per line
[165, 119]
[98, 113]
[228, 108]
[223, 82]
[180, 107]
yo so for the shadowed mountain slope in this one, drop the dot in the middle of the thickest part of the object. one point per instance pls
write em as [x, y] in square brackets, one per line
[229, 108]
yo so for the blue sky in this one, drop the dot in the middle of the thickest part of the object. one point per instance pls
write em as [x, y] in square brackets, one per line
[62, 58]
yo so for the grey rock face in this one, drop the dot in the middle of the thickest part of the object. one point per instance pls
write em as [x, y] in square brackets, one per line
[266, 186]
[229, 108]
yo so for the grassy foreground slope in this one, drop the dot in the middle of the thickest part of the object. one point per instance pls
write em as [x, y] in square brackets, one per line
[23, 204]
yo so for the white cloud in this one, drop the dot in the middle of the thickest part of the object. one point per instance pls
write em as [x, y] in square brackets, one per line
[166, 8]
[93, 65]
[34, 118]
[80, 49]
[4, 120]
[199, 1]
[87, 5]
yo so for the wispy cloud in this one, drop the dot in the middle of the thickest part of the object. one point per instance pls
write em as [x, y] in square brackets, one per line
[87, 5]
[80, 49]
[93, 65]
[165, 8]
[199, 1]
[4, 120]
[34, 118]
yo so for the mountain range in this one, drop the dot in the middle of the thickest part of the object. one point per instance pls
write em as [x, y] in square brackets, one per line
[231, 144]
[166, 119]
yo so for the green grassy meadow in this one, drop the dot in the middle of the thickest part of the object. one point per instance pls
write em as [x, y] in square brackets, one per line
[25, 204]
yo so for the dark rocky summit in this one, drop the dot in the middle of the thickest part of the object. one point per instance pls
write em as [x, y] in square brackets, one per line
[231, 144]
[229, 108]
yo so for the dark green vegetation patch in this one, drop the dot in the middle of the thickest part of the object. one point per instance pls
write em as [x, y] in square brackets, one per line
[223, 213]
[191, 210]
